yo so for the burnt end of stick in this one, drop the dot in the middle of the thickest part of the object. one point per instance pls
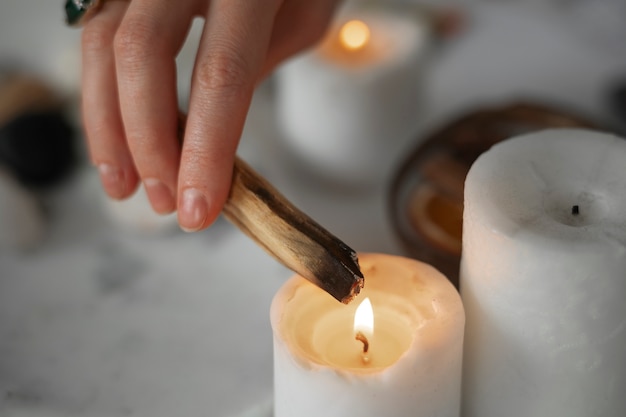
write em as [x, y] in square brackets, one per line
[299, 242]
[342, 281]
[332, 265]
[341, 257]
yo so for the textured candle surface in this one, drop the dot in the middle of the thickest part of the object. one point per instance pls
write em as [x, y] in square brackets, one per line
[414, 366]
[543, 277]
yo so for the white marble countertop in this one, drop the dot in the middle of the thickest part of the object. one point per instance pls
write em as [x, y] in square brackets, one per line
[102, 321]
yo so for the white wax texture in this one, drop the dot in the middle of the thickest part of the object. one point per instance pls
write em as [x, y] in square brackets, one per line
[343, 112]
[414, 366]
[135, 214]
[543, 277]
[22, 224]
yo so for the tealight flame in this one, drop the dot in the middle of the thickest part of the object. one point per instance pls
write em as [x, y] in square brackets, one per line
[354, 35]
[364, 318]
[364, 327]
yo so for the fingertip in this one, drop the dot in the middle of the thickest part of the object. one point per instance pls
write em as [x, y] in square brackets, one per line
[119, 183]
[160, 195]
[193, 210]
[205, 175]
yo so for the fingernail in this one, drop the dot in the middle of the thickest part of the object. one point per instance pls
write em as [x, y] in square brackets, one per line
[113, 180]
[160, 196]
[193, 210]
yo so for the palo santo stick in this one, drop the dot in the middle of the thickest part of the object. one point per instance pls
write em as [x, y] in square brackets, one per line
[289, 235]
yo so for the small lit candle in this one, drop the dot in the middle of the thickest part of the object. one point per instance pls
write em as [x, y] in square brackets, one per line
[354, 35]
[394, 351]
[350, 102]
[543, 277]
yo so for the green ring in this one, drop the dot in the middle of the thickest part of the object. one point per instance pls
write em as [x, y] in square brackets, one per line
[76, 10]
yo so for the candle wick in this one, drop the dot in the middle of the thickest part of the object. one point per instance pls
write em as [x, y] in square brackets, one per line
[366, 345]
[575, 210]
[361, 338]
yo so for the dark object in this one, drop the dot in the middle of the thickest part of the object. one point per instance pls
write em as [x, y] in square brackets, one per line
[289, 235]
[618, 101]
[426, 194]
[38, 147]
[76, 10]
[575, 210]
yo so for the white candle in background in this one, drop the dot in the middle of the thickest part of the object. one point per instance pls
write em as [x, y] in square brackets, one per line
[543, 277]
[347, 105]
[22, 222]
[400, 356]
[135, 214]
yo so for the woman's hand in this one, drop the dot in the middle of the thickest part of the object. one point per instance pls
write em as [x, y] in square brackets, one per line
[130, 107]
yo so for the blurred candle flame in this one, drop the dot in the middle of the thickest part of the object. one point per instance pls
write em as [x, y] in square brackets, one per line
[354, 35]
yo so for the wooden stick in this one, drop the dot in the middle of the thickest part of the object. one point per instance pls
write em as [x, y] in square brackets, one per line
[289, 235]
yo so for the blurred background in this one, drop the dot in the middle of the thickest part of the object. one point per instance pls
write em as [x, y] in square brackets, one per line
[109, 310]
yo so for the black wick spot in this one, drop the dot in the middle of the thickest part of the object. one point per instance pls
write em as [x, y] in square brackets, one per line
[575, 210]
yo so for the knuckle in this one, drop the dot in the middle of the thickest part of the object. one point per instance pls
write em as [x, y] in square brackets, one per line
[225, 71]
[135, 41]
[97, 37]
[142, 143]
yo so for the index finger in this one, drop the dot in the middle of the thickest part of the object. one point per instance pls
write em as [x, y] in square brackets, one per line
[230, 58]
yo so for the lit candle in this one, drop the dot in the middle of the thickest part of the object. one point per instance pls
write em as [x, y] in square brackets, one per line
[349, 103]
[396, 353]
[543, 277]
[364, 326]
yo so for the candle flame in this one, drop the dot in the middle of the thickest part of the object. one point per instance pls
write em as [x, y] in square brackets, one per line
[364, 318]
[354, 35]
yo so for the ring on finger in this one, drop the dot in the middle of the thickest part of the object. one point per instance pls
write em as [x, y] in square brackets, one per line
[78, 12]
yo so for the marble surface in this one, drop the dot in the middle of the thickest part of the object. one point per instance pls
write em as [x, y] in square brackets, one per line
[104, 320]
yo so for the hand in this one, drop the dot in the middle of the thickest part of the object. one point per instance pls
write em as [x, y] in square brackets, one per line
[130, 102]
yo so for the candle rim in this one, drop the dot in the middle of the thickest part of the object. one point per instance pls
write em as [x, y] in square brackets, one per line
[444, 294]
[487, 170]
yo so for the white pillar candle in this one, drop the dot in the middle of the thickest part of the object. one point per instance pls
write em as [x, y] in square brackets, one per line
[543, 277]
[22, 223]
[412, 366]
[346, 105]
[135, 214]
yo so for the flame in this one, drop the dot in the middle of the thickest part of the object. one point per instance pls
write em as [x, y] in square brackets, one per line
[354, 35]
[364, 318]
